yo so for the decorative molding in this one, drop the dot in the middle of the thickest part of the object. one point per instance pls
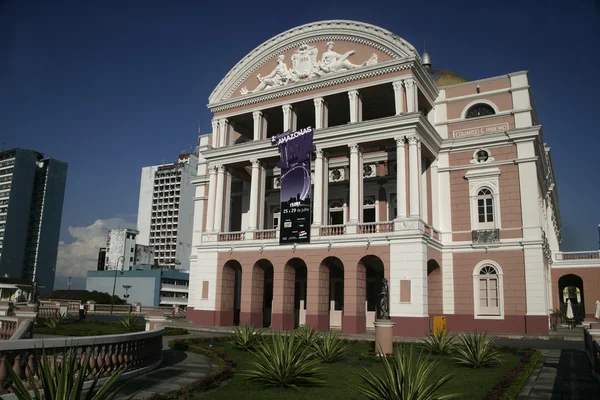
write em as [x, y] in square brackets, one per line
[400, 140]
[319, 153]
[485, 236]
[476, 160]
[212, 169]
[354, 147]
[412, 139]
[350, 31]
[221, 169]
[255, 163]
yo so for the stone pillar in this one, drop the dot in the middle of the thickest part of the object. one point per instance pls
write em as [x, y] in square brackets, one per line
[223, 132]
[287, 116]
[212, 192]
[220, 191]
[422, 184]
[355, 106]
[400, 177]
[414, 175]
[398, 97]
[435, 207]
[215, 133]
[258, 125]
[355, 296]
[254, 184]
[384, 343]
[318, 200]
[355, 182]
[251, 307]
[319, 113]
[317, 287]
[411, 95]
[283, 298]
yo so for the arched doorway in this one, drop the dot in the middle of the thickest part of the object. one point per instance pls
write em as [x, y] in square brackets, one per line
[257, 294]
[230, 294]
[571, 287]
[374, 274]
[435, 296]
[286, 307]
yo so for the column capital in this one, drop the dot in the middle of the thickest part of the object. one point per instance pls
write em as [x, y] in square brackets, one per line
[221, 168]
[412, 139]
[400, 140]
[286, 107]
[397, 85]
[319, 153]
[214, 122]
[353, 93]
[255, 162]
[223, 121]
[212, 169]
[257, 114]
[318, 101]
[409, 82]
[354, 147]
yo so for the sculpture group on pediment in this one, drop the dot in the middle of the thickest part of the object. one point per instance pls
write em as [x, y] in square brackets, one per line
[306, 66]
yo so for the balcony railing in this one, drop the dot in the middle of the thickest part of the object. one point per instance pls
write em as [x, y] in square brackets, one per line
[578, 255]
[376, 227]
[332, 230]
[231, 236]
[265, 234]
[486, 236]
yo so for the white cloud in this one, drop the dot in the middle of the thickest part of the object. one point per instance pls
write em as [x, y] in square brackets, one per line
[76, 258]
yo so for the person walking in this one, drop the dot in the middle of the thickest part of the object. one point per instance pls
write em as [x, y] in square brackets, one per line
[81, 311]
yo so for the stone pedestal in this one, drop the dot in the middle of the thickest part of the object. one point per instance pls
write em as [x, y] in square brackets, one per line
[153, 322]
[384, 329]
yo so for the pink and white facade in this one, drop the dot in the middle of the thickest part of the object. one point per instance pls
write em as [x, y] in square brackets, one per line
[445, 187]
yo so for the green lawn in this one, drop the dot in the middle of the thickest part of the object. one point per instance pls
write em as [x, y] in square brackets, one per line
[340, 376]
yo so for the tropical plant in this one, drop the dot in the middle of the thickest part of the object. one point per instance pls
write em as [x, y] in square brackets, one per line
[246, 337]
[307, 335]
[55, 322]
[556, 317]
[440, 342]
[284, 362]
[131, 323]
[329, 347]
[64, 379]
[406, 376]
[477, 351]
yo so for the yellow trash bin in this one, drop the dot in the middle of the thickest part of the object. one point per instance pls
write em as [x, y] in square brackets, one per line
[439, 324]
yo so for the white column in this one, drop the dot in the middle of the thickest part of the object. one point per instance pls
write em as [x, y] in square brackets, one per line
[287, 117]
[257, 115]
[319, 112]
[215, 133]
[411, 95]
[400, 177]
[254, 184]
[223, 132]
[445, 216]
[318, 199]
[413, 174]
[355, 179]
[219, 199]
[325, 190]
[422, 184]
[212, 190]
[398, 96]
[435, 207]
[355, 107]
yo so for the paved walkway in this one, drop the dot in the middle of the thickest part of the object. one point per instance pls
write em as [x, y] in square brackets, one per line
[562, 374]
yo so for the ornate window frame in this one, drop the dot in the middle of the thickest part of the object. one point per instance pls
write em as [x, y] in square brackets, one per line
[476, 277]
[463, 114]
[476, 161]
[480, 179]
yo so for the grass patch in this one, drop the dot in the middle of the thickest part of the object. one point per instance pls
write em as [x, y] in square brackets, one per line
[340, 376]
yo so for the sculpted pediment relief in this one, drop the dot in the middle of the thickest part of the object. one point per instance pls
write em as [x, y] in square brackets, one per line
[306, 64]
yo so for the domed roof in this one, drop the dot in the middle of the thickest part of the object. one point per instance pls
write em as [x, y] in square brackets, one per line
[441, 77]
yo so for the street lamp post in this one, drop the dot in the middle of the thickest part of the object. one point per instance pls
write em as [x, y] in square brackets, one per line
[598, 237]
[112, 299]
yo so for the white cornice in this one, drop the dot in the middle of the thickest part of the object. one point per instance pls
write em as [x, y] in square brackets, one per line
[358, 32]
[493, 78]
[513, 136]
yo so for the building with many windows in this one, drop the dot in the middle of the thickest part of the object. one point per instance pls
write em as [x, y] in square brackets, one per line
[166, 211]
[123, 252]
[443, 186]
[32, 190]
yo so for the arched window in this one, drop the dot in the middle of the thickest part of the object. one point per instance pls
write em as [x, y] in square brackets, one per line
[479, 110]
[485, 208]
[489, 291]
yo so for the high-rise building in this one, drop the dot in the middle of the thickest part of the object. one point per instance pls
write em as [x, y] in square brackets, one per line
[32, 190]
[123, 252]
[166, 211]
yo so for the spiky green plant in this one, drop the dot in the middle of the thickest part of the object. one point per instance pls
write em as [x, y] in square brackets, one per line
[440, 342]
[329, 347]
[307, 335]
[55, 322]
[131, 323]
[246, 337]
[476, 351]
[64, 379]
[408, 376]
[283, 361]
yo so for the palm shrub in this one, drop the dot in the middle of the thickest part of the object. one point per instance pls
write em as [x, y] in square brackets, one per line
[307, 335]
[406, 376]
[55, 322]
[477, 351]
[131, 323]
[283, 361]
[440, 342]
[246, 337]
[64, 379]
[329, 347]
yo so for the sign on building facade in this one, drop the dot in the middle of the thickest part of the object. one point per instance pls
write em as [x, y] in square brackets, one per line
[295, 150]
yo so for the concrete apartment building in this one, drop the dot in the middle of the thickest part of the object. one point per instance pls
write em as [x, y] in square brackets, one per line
[123, 252]
[166, 211]
[32, 190]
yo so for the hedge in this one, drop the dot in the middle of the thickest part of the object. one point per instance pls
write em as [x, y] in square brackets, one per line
[509, 387]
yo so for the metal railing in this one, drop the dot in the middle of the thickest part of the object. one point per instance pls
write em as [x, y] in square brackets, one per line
[140, 351]
[376, 227]
[332, 230]
[578, 255]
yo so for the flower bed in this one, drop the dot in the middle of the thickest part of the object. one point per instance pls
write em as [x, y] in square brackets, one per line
[509, 387]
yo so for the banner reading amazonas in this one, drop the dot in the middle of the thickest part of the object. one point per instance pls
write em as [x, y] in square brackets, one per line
[295, 151]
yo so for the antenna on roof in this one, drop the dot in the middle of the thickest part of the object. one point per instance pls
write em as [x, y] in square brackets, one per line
[425, 57]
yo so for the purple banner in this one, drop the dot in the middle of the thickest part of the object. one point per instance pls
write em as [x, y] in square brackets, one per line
[295, 149]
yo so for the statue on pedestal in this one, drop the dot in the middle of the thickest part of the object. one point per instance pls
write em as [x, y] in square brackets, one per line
[383, 311]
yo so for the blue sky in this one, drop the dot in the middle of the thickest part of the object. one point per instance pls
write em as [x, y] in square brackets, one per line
[112, 86]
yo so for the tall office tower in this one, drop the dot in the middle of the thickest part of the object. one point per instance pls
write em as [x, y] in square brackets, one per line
[166, 211]
[32, 190]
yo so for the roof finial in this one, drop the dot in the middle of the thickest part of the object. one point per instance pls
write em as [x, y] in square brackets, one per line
[425, 57]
